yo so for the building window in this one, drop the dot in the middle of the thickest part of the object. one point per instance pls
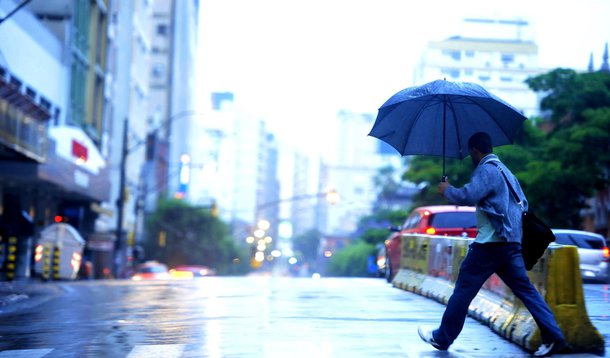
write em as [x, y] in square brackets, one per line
[508, 58]
[456, 55]
[81, 21]
[162, 30]
[101, 38]
[468, 72]
[469, 53]
[78, 90]
[451, 72]
[506, 79]
[158, 70]
[484, 78]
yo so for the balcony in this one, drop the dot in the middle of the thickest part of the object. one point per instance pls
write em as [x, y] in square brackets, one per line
[23, 116]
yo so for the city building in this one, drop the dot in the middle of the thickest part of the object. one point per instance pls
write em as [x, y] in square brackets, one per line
[53, 125]
[156, 171]
[351, 173]
[234, 167]
[184, 114]
[498, 54]
[129, 57]
[152, 58]
[304, 212]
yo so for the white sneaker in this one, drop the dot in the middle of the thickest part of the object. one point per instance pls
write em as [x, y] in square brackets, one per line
[547, 349]
[427, 337]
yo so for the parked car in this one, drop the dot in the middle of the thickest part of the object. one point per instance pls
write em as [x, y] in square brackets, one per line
[191, 271]
[448, 220]
[592, 251]
[151, 270]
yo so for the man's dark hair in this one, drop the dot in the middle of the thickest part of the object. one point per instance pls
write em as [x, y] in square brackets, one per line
[481, 141]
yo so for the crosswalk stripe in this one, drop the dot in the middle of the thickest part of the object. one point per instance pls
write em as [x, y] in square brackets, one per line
[158, 350]
[25, 353]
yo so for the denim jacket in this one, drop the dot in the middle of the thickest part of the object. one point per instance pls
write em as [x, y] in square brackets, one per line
[488, 190]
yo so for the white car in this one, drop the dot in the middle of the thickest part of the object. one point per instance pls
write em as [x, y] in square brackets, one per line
[592, 251]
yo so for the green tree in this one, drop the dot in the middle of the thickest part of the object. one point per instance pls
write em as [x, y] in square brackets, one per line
[352, 261]
[574, 159]
[427, 171]
[374, 227]
[306, 246]
[181, 234]
[569, 94]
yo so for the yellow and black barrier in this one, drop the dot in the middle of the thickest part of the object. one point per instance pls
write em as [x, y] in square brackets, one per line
[11, 258]
[56, 262]
[429, 267]
[46, 261]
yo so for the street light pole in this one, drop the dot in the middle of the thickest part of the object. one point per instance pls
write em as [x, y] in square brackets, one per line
[119, 252]
[331, 196]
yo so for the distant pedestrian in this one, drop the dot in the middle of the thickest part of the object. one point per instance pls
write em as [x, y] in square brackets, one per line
[496, 249]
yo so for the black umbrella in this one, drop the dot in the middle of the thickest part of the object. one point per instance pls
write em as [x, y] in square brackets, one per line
[439, 117]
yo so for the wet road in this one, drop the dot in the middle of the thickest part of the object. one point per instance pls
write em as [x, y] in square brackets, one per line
[247, 317]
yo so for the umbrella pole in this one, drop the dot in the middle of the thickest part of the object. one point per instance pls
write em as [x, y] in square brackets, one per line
[444, 178]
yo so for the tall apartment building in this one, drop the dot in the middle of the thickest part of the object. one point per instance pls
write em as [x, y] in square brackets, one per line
[159, 106]
[129, 57]
[235, 166]
[497, 54]
[152, 55]
[53, 125]
[304, 213]
[184, 110]
[352, 173]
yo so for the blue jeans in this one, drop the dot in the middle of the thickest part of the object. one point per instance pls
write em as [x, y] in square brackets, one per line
[482, 261]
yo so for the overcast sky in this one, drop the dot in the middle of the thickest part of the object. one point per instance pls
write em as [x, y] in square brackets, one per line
[318, 56]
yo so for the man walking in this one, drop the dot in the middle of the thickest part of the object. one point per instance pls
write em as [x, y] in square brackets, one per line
[496, 249]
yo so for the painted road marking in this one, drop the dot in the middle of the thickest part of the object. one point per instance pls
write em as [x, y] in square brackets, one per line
[158, 350]
[25, 353]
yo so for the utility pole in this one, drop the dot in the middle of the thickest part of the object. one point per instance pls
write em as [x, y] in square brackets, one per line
[120, 252]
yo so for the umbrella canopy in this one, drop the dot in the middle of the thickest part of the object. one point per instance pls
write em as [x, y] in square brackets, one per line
[439, 117]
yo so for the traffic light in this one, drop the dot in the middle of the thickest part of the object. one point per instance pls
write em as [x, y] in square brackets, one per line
[60, 219]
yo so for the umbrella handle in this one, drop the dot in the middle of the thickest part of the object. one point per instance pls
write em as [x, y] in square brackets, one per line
[444, 178]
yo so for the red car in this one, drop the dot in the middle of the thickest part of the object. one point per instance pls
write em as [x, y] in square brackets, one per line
[151, 270]
[448, 220]
[190, 271]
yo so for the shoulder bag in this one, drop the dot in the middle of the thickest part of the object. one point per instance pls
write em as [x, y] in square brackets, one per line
[536, 234]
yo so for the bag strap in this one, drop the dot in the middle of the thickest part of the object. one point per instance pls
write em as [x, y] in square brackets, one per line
[510, 187]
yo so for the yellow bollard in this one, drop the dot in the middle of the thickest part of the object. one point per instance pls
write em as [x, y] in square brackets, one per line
[46, 261]
[11, 259]
[56, 262]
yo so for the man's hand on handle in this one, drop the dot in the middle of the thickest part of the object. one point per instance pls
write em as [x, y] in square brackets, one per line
[442, 186]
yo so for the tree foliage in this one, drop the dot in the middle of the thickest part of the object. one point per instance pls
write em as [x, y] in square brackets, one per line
[352, 261]
[373, 228]
[193, 236]
[574, 158]
[306, 246]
